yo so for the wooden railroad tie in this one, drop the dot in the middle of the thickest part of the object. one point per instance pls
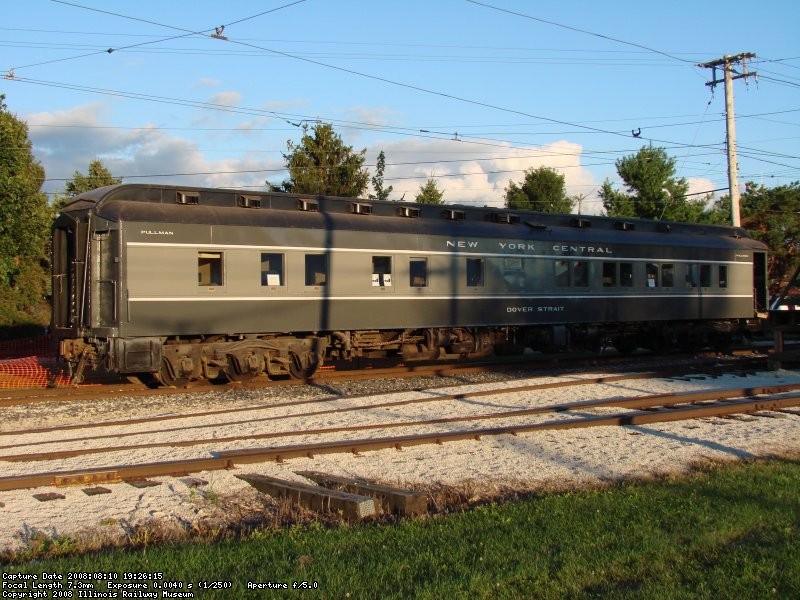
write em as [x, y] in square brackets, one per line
[142, 483]
[352, 506]
[390, 499]
[96, 491]
[46, 497]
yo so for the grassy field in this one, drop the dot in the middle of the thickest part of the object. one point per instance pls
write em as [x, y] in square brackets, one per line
[724, 532]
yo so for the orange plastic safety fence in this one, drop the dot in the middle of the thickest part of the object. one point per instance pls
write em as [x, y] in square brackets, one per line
[31, 363]
[32, 372]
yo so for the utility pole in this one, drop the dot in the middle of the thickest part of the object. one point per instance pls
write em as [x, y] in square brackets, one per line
[729, 74]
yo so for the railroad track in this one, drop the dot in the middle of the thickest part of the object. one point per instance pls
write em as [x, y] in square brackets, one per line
[101, 390]
[344, 437]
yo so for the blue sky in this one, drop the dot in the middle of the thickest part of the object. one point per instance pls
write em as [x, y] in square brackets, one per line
[451, 89]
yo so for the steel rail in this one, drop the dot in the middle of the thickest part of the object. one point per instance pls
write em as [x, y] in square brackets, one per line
[538, 386]
[229, 459]
[10, 397]
[141, 420]
[636, 403]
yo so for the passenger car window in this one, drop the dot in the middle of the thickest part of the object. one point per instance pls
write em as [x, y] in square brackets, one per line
[580, 273]
[667, 275]
[652, 275]
[209, 268]
[691, 276]
[609, 274]
[705, 275]
[271, 269]
[562, 273]
[626, 274]
[316, 269]
[723, 276]
[513, 274]
[475, 272]
[418, 272]
[381, 271]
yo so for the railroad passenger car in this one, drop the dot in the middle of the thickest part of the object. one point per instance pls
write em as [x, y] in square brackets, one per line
[181, 283]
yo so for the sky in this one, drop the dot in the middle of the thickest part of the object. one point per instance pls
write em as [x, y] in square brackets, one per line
[471, 93]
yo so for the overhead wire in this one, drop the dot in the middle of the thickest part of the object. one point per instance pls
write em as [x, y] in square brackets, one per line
[371, 76]
[584, 128]
[441, 136]
[186, 32]
[505, 145]
[578, 30]
[418, 88]
[475, 102]
[227, 108]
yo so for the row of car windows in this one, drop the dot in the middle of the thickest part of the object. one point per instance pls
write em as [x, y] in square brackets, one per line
[567, 273]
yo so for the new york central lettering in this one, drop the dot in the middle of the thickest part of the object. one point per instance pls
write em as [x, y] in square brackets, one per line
[461, 244]
[565, 249]
[530, 247]
[508, 246]
[518, 246]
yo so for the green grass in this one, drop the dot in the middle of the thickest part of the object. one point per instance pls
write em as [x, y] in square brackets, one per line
[726, 532]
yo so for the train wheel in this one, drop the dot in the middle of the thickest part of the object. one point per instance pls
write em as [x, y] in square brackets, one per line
[418, 352]
[244, 368]
[166, 376]
[234, 377]
[303, 365]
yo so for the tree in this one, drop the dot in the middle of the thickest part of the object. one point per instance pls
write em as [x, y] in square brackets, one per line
[430, 193]
[97, 176]
[542, 190]
[322, 164]
[653, 192]
[24, 226]
[381, 193]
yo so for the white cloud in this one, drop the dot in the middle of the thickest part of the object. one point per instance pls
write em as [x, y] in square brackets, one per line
[226, 98]
[207, 82]
[363, 116]
[256, 123]
[468, 172]
[700, 185]
[472, 173]
[66, 141]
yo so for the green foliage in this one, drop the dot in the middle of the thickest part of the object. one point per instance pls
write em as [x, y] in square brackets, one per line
[429, 193]
[97, 176]
[24, 225]
[322, 164]
[542, 190]
[381, 193]
[653, 192]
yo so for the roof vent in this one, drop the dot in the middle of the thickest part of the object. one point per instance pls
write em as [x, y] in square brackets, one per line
[453, 214]
[508, 218]
[188, 198]
[307, 205]
[357, 208]
[248, 201]
[580, 223]
[408, 211]
[624, 225]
